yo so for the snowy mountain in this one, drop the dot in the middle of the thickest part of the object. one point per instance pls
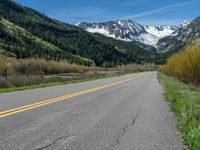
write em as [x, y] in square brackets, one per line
[128, 30]
[160, 31]
[180, 28]
[163, 38]
[186, 33]
[185, 24]
[119, 29]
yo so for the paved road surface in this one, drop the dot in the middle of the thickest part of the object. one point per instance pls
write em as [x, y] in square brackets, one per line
[120, 113]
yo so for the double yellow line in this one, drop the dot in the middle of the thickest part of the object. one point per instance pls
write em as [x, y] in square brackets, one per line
[61, 98]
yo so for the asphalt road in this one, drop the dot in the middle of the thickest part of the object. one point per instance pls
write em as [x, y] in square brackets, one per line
[120, 113]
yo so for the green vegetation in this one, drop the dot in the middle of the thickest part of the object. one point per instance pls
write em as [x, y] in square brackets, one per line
[185, 100]
[185, 65]
[135, 52]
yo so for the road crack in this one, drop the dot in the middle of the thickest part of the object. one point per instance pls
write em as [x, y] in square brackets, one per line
[125, 128]
[67, 137]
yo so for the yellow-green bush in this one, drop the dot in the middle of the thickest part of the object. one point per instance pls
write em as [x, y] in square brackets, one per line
[186, 64]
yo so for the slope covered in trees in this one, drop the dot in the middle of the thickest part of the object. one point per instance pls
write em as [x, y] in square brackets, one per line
[17, 42]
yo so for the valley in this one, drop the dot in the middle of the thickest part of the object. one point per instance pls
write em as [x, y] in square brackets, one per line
[74, 76]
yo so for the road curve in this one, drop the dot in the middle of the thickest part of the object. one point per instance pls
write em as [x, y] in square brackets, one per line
[120, 113]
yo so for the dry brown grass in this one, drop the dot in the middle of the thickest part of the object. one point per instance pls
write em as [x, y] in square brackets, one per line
[25, 72]
[11, 66]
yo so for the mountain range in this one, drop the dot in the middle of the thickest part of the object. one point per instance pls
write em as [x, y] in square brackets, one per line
[185, 34]
[128, 30]
[27, 33]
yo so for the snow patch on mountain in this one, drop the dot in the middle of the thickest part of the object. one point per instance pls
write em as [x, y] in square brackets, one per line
[148, 39]
[185, 24]
[128, 30]
[100, 31]
[181, 27]
[160, 31]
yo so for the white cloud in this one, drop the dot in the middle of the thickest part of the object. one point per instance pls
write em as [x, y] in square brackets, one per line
[159, 9]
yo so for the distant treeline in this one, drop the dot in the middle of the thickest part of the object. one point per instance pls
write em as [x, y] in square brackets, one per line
[135, 68]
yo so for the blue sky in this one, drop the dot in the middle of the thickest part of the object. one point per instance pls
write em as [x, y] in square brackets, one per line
[154, 12]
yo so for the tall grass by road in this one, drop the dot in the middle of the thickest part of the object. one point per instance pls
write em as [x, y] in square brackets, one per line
[185, 100]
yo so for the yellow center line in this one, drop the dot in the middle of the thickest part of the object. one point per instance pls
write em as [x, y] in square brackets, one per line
[61, 98]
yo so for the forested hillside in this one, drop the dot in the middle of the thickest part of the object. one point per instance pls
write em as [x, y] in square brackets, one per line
[134, 50]
[56, 40]
[17, 42]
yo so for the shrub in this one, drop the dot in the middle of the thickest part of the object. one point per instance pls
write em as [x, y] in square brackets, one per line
[185, 65]
[11, 66]
[136, 68]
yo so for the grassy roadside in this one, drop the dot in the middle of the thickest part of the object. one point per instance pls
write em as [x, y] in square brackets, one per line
[185, 100]
[89, 78]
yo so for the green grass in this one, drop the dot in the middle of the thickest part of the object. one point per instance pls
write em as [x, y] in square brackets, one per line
[185, 100]
[107, 75]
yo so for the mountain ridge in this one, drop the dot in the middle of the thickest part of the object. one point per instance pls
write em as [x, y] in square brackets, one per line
[129, 30]
[186, 33]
